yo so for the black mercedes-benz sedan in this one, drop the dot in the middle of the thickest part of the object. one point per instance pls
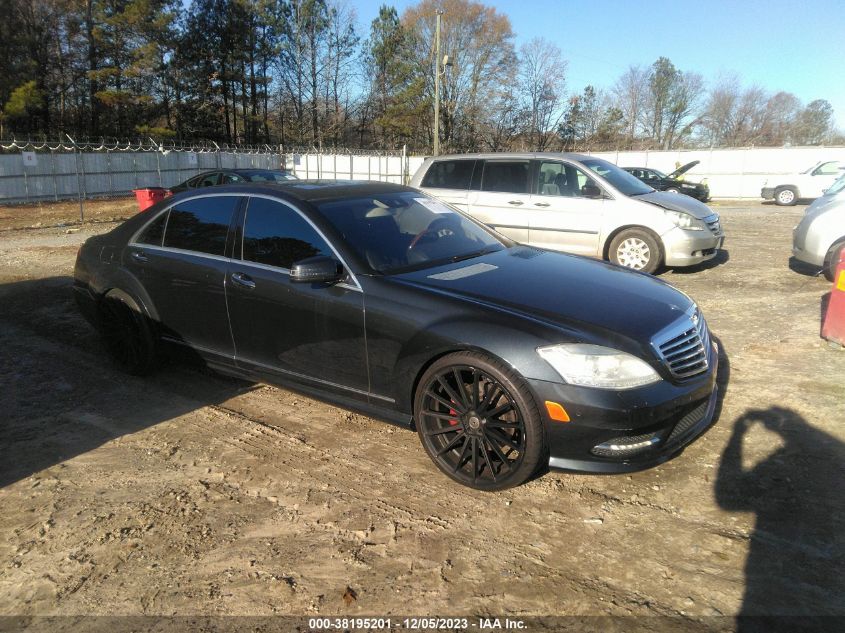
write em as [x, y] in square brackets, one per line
[506, 359]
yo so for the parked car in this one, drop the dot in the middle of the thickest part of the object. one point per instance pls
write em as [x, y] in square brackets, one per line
[819, 238]
[789, 189]
[578, 204]
[232, 176]
[378, 298]
[672, 182]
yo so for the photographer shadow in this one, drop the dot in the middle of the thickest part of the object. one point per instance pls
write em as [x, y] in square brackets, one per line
[793, 574]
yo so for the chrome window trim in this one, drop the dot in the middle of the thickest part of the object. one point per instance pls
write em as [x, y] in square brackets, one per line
[355, 285]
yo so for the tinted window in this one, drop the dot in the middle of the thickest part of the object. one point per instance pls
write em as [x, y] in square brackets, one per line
[276, 235]
[201, 225]
[449, 174]
[511, 177]
[209, 180]
[154, 232]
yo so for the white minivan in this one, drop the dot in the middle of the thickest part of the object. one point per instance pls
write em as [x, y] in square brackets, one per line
[578, 204]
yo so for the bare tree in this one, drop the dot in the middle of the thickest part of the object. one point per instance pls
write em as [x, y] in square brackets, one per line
[630, 94]
[541, 83]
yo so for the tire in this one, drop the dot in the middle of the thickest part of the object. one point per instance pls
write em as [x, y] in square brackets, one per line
[832, 259]
[491, 440]
[673, 190]
[786, 196]
[127, 334]
[637, 249]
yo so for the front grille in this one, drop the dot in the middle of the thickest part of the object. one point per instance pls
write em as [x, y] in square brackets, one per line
[688, 421]
[684, 350]
[714, 225]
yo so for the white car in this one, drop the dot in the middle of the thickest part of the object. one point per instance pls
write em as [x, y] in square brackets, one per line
[810, 184]
[819, 238]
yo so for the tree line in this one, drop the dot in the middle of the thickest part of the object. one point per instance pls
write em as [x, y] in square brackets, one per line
[301, 73]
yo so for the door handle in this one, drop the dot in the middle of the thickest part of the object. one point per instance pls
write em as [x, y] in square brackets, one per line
[515, 202]
[541, 204]
[139, 256]
[243, 280]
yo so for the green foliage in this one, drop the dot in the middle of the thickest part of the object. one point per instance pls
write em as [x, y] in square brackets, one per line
[24, 100]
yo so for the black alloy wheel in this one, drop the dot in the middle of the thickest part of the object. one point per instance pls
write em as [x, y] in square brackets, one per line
[127, 335]
[478, 422]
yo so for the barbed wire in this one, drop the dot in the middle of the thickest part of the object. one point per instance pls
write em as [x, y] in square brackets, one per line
[105, 144]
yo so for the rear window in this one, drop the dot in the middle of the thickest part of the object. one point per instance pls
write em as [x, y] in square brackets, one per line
[201, 224]
[449, 174]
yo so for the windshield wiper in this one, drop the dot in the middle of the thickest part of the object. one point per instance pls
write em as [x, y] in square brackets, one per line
[483, 251]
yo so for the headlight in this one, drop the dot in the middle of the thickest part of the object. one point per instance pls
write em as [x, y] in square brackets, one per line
[685, 221]
[688, 186]
[597, 366]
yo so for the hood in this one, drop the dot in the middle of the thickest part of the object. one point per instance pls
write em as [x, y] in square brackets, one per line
[680, 171]
[675, 202]
[597, 298]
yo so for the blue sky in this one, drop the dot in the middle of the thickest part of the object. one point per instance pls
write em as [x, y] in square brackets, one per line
[775, 44]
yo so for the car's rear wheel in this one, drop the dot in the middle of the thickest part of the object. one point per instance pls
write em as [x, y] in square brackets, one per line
[478, 422]
[637, 249]
[786, 196]
[831, 260]
[127, 334]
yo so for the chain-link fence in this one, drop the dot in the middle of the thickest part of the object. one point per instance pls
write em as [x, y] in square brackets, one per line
[36, 171]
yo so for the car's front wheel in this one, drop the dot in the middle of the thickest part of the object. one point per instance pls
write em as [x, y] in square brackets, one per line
[637, 249]
[127, 334]
[786, 196]
[478, 421]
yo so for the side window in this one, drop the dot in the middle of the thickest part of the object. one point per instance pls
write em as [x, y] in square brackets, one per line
[230, 178]
[449, 174]
[209, 180]
[562, 179]
[827, 169]
[154, 231]
[195, 181]
[507, 176]
[276, 235]
[201, 224]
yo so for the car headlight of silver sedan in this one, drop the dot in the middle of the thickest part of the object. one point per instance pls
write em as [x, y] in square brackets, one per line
[685, 221]
[596, 366]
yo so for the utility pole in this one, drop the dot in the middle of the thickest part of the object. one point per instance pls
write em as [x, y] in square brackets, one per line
[437, 85]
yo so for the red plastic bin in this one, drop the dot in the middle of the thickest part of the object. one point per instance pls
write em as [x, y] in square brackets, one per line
[149, 196]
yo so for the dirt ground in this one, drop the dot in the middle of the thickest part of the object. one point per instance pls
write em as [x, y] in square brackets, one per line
[194, 494]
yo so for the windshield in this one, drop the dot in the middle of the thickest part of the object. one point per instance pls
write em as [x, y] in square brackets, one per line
[623, 181]
[836, 187]
[398, 232]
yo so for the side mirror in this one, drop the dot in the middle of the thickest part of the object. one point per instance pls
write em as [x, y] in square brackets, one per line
[591, 191]
[319, 269]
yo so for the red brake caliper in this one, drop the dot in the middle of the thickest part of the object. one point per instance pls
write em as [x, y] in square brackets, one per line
[453, 412]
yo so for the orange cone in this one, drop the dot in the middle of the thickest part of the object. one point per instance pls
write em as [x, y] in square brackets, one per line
[833, 326]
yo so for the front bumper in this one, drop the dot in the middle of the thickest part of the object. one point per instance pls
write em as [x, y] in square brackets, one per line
[688, 248]
[625, 431]
[767, 193]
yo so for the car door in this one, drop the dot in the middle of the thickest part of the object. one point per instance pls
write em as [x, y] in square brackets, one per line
[563, 213]
[180, 259]
[310, 333]
[449, 180]
[504, 198]
[823, 177]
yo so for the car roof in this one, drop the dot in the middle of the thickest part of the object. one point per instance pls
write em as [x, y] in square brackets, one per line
[312, 190]
[499, 155]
